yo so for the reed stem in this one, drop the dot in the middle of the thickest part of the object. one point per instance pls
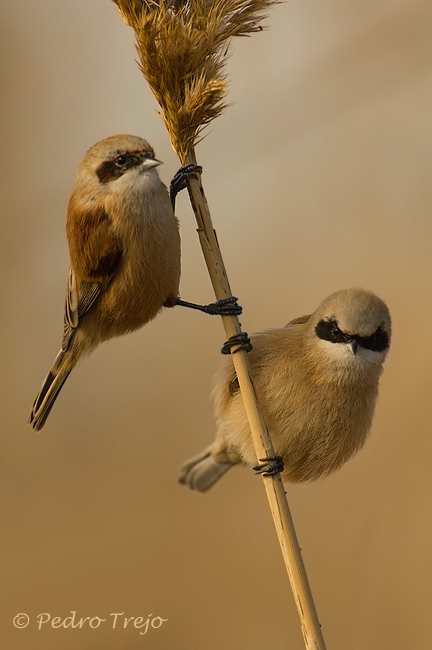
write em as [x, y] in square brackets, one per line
[183, 47]
[311, 628]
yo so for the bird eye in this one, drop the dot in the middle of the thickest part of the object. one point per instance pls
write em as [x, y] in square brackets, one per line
[120, 160]
[329, 331]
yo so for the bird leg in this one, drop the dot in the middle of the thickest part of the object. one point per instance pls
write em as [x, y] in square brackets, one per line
[270, 470]
[180, 180]
[241, 339]
[225, 307]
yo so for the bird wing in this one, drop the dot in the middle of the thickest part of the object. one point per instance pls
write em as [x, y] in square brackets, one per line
[234, 386]
[95, 257]
[300, 320]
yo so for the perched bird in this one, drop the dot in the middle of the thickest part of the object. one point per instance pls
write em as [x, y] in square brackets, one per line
[124, 248]
[317, 384]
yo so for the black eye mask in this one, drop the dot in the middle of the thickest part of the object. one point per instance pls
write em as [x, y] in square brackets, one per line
[328, 330]
[110, 170]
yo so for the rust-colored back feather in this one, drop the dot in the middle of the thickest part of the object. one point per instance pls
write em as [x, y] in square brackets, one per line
[300, 320]
[95, 252]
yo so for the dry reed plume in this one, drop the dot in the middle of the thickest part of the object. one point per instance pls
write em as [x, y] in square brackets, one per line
[183, 48]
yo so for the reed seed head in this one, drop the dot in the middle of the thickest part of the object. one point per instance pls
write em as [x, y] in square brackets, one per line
[183, 48]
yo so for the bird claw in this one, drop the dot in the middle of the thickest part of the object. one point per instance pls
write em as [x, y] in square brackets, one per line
[270, 469]
[225, 307]
[180, 179]
[241, 339]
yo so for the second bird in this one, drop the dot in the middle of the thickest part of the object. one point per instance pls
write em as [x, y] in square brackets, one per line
[124, 247]
[317, 384]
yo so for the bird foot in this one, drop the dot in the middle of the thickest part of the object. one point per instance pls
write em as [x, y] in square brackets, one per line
[180, 179]
[225, 307]
[270, 469]
[241, 339]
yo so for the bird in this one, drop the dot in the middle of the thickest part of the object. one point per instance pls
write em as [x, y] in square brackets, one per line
[316, 381]
[124, 246]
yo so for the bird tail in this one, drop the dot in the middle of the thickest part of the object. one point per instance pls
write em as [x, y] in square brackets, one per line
[50, 389]
[202, 471]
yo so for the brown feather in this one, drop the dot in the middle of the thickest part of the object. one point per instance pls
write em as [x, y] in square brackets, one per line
[95, 251]
[299, 320]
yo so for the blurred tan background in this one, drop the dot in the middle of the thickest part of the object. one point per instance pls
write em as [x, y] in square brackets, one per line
[318, 178]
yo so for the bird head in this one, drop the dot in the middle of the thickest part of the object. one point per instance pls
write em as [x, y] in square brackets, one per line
[116, 165]
[353, 325]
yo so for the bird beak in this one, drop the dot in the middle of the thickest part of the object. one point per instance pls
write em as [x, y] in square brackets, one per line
[148, 163]
[354, 346]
